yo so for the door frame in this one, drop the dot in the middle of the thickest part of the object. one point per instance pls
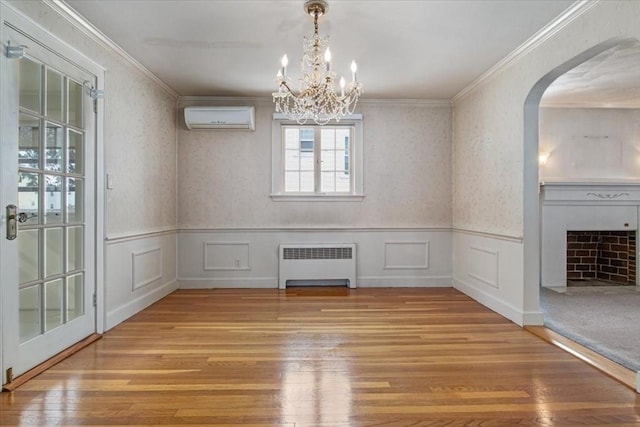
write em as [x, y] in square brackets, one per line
[48, 40]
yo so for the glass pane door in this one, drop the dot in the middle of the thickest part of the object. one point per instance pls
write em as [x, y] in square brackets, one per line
[50, 199]
[47, 159]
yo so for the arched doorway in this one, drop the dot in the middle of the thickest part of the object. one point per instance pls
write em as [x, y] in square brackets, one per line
[532, 206]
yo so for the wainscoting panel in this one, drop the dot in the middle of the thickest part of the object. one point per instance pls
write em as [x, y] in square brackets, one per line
[406, 255]
[488, 268]
[146, 267]
[483, 265]
[248, 258]
[139, 270]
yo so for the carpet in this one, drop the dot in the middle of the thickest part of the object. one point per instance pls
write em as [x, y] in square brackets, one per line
[605, 319]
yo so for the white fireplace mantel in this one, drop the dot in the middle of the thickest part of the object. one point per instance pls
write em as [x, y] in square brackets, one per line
[606, 206]
[588, 193]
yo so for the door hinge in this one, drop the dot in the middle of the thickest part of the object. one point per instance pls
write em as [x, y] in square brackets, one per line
[95, 300]
[93, 93]
[9, 375]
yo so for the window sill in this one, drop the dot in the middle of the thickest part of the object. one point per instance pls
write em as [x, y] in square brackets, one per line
[317, 197]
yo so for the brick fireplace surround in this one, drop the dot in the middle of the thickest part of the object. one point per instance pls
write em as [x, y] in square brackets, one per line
[602, 255]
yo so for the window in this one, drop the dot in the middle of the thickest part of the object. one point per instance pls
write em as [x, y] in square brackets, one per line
[317, 162]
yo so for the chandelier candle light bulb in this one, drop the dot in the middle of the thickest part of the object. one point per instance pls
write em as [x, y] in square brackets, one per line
[316, 98]
[327, 59]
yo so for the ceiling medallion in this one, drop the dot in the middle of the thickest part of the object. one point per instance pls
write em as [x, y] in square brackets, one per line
[316, 99]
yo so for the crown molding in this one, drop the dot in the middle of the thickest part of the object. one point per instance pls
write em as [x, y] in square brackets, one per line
[238, 100]
[86, 27]
[228, 100]
[548, 31]
[405, 101]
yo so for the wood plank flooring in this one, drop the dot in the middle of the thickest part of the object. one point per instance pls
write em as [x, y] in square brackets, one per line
[320, 357]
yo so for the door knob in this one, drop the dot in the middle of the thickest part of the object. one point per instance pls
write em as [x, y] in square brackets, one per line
[12, 222]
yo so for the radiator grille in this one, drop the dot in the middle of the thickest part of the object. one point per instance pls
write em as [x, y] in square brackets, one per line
[317, 253]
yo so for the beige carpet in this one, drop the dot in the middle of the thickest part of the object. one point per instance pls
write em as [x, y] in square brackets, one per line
[605, 319]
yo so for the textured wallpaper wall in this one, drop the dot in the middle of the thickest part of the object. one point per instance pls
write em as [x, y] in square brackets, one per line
[489, 121]
[139, 134]
[224, 177]
[140, 154]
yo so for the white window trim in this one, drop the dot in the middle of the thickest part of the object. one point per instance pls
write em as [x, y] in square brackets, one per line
[277, 176]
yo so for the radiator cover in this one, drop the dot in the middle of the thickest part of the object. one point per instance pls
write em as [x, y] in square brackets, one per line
[317, 262]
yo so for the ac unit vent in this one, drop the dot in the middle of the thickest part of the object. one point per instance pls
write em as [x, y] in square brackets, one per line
[220, 118]
[319, 262]
[318, 253]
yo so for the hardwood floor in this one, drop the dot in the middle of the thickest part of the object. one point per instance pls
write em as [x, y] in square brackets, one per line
[320, 357]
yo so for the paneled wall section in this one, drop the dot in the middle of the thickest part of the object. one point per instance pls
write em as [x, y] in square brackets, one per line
[244, 258]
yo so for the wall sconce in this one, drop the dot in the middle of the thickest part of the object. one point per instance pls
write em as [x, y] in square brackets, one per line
[543, 157]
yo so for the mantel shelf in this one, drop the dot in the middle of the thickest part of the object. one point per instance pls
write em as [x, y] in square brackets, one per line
[571, 193]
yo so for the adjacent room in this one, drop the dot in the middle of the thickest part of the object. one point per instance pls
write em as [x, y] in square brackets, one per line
[320, 213]
[589, 175]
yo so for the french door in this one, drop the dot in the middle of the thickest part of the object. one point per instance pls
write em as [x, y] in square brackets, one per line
[47, 194]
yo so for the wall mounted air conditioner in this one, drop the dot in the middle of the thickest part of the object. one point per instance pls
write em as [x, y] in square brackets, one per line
[220, 118]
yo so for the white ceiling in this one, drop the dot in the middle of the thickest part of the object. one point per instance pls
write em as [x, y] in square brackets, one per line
[404, 49]
[608, 80]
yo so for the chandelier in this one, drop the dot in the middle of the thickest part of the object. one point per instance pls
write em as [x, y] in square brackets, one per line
[316, 99]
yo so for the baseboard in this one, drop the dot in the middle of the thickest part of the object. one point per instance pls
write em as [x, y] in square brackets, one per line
[404, 281]
[533, 318]
[122, 313]
[34, 372]
[506, 310]
[272, 282]
[229, 283]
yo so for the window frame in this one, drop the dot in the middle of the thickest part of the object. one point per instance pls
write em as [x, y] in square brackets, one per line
[280, 122]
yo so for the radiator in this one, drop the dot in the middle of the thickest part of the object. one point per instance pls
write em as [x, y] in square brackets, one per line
[317, 262]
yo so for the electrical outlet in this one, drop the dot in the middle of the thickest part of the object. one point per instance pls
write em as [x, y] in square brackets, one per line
[237, 263]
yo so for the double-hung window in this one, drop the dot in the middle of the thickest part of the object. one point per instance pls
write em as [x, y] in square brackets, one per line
[313, 162]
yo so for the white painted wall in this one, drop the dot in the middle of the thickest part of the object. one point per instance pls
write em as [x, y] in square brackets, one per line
[385, 257]
[590, 144]
[495, 191]
[488, 268]
[139, 154]
[142, 270]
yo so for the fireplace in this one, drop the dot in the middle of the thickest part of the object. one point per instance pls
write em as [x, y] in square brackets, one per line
[589, 232]
[603, 255]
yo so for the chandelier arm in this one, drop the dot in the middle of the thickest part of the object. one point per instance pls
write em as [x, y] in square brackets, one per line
[288, 88]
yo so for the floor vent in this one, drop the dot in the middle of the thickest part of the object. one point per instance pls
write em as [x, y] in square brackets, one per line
[317, 262]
